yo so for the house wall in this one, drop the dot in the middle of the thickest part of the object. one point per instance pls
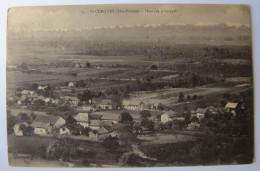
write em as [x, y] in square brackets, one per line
[200, 115]
[106, 107]
[94, 127]
[40, 131]
[64, 131]
[17, 130]
[131, 107]
[113, 121]
[165, 118]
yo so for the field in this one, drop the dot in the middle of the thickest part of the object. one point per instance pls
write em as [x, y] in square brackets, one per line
[164, 139]
[28, 145]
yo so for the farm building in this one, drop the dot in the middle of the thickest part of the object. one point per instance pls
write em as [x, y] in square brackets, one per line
[231, 107]
[55, 121]
[71, 100]
[94, 124]
[42, 87]
[200, 112]
[87, 108]
[105, 104]
[82, 119]
[25, 92]
[41, 128]
[168, 116]
[71, 84]
[193, 125]
[64, 131]
[17, 129]
[43, 124]
[133, 105]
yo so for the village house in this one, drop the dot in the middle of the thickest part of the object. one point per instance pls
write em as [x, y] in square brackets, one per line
[200, 112]
[41, 128]
[193, 125]
[87, 108]
[43, 124]
[98, 132]
[168, 116]
[231, 107]
[94, 124]
[25, 92]
[71, 84]
[42, 87]
[74, 101]
[64, 131]
[82, 119]
[105, 104]
[133, 105]
[17, 130]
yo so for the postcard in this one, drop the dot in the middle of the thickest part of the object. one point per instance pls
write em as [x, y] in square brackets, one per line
[147, 85]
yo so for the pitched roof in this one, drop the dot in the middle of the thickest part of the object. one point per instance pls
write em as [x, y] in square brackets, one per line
[170, 113]
[95, 123]
[110, 117]
[231, 105]
[47, 119]
[102, 130]
[82, 117]
[39, 124]
[201, 110]
[106, 102]
[95, 116]
[131, 102]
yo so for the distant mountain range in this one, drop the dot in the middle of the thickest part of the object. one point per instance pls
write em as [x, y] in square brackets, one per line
[210, 34]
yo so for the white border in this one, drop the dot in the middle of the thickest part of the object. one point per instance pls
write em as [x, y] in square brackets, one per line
[255, 11]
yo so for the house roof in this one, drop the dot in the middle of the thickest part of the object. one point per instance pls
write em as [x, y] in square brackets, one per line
[47, 119]
[105, 102]
[231, 105]
[95, 123]
[39, 124]
[25, 92]
[201, 110]
[212, 109]
[114, 114]
[107, 123]
[131, 102]
[170, 113]
[82, 117]
[102, 130]
[110, 117]
[95, 116]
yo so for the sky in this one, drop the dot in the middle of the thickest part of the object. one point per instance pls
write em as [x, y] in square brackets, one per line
[22, 19]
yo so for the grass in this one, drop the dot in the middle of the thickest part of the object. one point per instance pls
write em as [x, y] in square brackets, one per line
[27, 144]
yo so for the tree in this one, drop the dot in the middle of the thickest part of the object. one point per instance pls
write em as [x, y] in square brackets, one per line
[39, 102]
[11, 121]
[145, 114]
[35, 87]
[24, 66]
[147, 123]
[87, 65]
[86, 96]
[181, 97]
[160, 106]
[80, 83]
[27, 130]
[153, 67]
[125, 118]
[194, 97]
[112, 143]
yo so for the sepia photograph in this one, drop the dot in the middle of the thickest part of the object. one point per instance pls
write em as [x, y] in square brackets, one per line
[129, 85]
